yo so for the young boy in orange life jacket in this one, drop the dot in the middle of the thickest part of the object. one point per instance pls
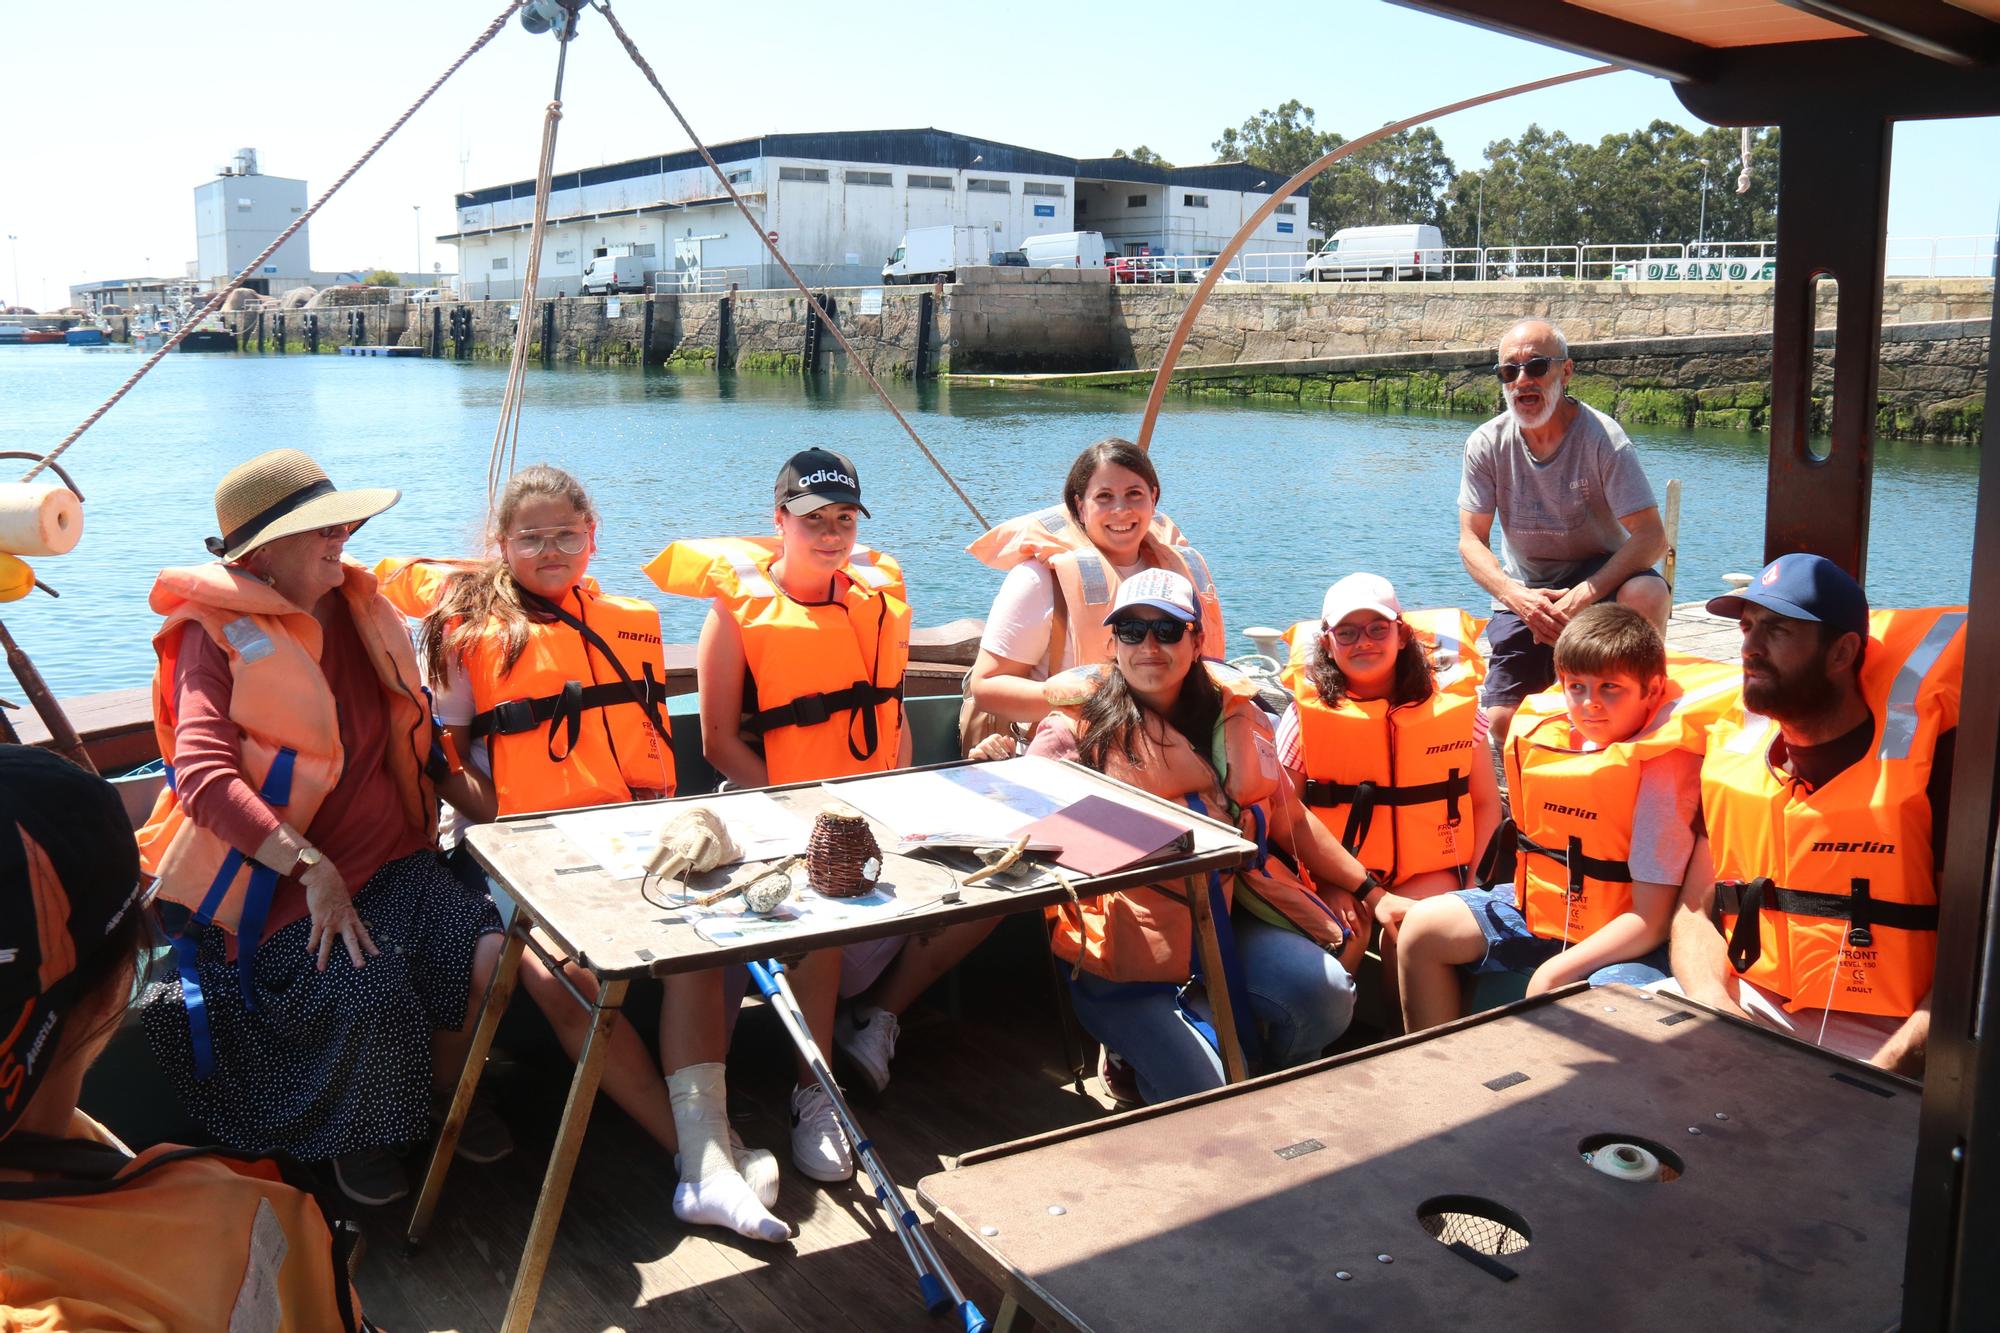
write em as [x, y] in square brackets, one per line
[1604, 774]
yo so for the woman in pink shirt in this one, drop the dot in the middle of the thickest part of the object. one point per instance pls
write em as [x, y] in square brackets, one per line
[328, 961]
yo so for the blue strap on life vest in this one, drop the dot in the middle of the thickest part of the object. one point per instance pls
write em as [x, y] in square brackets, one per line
[1232, 963]
[263, 886]
[1263, 838]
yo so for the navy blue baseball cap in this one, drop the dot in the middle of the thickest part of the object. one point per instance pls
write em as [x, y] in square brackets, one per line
[1802, 587]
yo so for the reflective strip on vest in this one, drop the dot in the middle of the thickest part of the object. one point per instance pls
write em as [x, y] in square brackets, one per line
[1197, 567]
[749, 578]
[1755, 727]
[1899, 716]
[1054, 520]
[1090, 573]
[859, 563]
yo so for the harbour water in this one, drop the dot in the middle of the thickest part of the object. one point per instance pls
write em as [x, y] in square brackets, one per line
[1281, 499]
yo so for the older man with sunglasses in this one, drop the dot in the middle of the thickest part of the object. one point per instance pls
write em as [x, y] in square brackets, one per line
[1579, 517]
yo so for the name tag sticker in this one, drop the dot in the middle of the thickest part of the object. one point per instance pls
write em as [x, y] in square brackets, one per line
[248, 638]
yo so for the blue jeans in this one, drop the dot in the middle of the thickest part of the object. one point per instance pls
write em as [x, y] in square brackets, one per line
[1512, 947]
[1300, 996]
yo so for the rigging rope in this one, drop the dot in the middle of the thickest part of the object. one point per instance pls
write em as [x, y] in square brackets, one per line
[507, 432]
[215, 302]
[756, 225]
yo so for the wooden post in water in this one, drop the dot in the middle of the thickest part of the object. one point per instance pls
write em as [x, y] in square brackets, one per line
[1671, 521]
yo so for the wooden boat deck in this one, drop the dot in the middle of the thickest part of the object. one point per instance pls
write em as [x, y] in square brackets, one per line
[623, 1261]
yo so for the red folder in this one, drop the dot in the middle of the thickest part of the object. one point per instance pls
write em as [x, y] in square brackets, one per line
[1099, 835]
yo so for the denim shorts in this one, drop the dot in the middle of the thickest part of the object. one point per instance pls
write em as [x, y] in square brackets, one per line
[1512, 947]
[1517, 665]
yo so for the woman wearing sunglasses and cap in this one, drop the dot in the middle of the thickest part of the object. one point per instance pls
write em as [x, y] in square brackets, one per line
[1160, 718]
[327, 960]
[1385, 745]
[554, 693]
[173, 1238]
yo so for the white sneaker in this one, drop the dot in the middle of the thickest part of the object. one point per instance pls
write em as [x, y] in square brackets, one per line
[819, 1149]
[869, 1042]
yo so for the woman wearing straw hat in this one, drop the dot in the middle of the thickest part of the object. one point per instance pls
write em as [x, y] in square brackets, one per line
[323, 951]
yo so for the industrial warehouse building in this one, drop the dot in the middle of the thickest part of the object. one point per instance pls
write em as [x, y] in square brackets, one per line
[840, 202]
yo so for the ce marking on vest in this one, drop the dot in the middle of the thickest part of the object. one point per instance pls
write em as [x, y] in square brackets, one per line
[1299, 1149]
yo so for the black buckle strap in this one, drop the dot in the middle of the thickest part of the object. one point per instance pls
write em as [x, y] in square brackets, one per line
[1363, 798]
[809, 710]
[1579, 866]
[1747, 900]
[566, 706]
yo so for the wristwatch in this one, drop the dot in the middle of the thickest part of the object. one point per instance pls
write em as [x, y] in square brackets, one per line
[308, 858]
[1369, 883]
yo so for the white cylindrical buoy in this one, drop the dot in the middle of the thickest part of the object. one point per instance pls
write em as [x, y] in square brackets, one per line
[37, 519]
[1626, 1161]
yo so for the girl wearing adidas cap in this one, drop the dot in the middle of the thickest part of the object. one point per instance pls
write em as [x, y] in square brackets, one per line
[1160, 718]
[801, 665]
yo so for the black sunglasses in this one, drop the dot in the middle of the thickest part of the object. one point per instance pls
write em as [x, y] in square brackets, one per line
[1133, 630]
[1535, 366]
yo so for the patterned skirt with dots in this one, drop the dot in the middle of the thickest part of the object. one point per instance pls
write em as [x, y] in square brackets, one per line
[335, 1061]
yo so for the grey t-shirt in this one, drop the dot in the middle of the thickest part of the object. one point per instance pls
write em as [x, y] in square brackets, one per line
[1558, 515]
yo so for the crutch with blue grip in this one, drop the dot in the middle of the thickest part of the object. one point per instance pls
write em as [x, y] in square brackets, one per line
[940, 1293]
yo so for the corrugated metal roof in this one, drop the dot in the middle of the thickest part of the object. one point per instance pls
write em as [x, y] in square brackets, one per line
[933, 148]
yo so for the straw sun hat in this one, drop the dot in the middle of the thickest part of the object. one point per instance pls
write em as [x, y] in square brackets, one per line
[281, 494]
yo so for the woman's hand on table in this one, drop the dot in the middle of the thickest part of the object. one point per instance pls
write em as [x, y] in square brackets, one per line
[333, 916]
[1000, 745]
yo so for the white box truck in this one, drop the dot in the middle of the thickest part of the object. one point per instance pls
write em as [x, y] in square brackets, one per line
[615, 273]
[937, 254]
[1065, 249]
[1407, 250]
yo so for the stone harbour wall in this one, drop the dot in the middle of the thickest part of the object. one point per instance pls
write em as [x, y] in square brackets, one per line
[1297, 322]
[1932, 380]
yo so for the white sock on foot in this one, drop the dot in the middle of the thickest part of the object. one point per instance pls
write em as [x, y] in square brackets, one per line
[759, 1169]
[712, 1192]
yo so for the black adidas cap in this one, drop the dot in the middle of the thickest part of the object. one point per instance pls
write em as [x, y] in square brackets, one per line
[817, 478]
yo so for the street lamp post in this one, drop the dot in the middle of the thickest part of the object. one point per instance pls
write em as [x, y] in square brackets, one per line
[1479, 227]
[1701, 226]
[418, 209]
[15, 251]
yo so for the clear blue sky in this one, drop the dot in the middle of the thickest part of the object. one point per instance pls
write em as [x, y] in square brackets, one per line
[119, 108]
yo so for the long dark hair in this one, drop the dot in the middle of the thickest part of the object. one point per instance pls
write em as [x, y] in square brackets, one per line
[1122, 453]
[1413, 682]
[1113, 715]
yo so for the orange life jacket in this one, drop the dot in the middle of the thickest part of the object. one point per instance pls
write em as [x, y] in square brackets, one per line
[828, 679]
[1572, 808]
[1147, 934]
[1829, 897]
[1394, 783]
[578, 720]
[176, 1238]
[286, 715]
[1086, 583]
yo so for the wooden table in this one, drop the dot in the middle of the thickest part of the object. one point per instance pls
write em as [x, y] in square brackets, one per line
[1293, 1201]
[604, 925]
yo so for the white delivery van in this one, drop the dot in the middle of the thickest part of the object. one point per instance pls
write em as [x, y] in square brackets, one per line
[615, 273]
[1065, 249]
[1407, 250]
[937, 253]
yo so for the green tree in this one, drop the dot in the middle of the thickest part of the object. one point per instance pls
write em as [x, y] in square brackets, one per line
[1284, 140]
[1405, 178]
[1143, 155]
[382, 277]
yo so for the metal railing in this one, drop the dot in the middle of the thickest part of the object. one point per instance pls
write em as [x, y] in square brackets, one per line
[703, 279]
[1694, 261]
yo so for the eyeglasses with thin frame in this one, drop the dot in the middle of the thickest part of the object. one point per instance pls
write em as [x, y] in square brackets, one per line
[1349, 635]
[338, 531]
[1132, 630]
[1534, 368]
[569, 541]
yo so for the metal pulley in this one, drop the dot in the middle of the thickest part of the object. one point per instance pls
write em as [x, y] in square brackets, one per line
[556, 16]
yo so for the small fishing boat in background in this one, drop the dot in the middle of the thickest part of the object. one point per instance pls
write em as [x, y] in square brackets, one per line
[90, 336]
